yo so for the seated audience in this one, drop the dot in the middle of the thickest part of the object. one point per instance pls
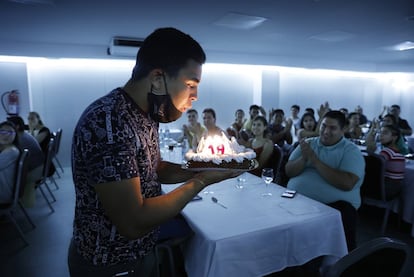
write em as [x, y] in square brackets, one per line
[237, 125]
[402, 124]
[9, 156]
[254, 111]
[330, 169]
[262, 145]
[39, 131]
[209, 120]
[362, 117]
[36, 160]
[308, 126]
[294, 115]
[389, 119]
[279, 130]
[193, 130]
[394, 160]
[354, 130]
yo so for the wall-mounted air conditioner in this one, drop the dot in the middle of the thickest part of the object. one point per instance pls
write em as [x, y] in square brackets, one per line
[124, 46]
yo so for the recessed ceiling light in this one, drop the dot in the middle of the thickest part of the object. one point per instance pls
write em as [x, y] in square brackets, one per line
[333, 36]
[403, 46]
[240, 21]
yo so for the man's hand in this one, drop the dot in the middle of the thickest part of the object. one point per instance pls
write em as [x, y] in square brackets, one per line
[214, 176]
[307, 152]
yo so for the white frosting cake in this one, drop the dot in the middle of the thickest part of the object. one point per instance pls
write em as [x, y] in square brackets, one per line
[217, 149]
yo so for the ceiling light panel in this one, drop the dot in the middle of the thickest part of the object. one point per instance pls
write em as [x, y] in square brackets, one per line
[240, 21]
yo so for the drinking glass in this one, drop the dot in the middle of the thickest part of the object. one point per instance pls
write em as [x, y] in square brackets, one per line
[267, 176]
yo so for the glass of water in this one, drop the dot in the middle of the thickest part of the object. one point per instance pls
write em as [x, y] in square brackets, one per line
[267, 176]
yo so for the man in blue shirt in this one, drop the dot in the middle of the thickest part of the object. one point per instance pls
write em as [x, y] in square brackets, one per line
[330, 169]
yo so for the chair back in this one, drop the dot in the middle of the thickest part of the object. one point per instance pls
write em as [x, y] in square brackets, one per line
[381, 256]
[21, 176]
[58, 137]
[49, 156]
[276, 158]
[373, 185]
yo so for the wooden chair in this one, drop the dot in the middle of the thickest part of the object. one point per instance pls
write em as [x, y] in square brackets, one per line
[373, 187]
[380, 257]
[20, 181]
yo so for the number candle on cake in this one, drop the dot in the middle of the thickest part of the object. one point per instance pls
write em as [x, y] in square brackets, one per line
[220, 152]
[215, 145]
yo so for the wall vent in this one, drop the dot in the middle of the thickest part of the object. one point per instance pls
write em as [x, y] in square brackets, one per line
[124, 46]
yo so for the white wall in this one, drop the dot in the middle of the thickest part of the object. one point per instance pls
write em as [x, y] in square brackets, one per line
[60, 91]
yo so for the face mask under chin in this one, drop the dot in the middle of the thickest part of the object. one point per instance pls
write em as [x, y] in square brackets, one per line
[162, 109]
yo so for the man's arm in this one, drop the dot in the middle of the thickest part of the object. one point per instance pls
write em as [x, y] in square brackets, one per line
[171, 173]
[295, 167]
[405, 128]
[340, 179]
[134, 216]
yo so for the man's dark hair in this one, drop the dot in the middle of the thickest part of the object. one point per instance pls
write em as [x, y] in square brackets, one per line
[352, 114]
[394, 120]
[296, 107]
[310, 110]
[396, 106]
[210, 110]
[338, 116]
[279, 111]
[168, 49]
[307, 114]
[18, 122]
[254, 107]
[192, 111]
[395, 131]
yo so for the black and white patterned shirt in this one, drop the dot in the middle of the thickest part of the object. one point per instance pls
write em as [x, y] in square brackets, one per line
[113, 140]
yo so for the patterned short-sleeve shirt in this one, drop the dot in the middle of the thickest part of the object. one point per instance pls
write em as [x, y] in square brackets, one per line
[113, 140]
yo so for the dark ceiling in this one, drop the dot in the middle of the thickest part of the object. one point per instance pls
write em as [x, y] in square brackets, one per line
[346, 34]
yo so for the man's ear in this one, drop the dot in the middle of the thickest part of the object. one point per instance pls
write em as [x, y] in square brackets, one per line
[157, 81]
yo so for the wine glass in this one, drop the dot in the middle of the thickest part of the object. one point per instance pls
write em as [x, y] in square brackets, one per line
[267, 176]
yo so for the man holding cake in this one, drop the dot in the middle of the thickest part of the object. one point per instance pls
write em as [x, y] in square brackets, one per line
[116, 165]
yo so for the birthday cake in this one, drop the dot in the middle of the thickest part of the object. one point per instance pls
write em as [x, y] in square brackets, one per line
[221, 153]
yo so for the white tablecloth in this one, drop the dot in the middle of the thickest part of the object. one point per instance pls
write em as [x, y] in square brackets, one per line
[256, 234]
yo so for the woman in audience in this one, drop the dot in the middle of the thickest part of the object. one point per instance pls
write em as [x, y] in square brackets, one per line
[9, 156]
[262, 145]
[394, 160]
[354, 130]
[39, 130]
[307, 127]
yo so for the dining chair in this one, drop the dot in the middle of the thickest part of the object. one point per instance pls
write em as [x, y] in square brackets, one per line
[58, 138]
[166, 256]
[8, 208]
[275, 160]
[378, 257]
[373, 187]
[46, 176]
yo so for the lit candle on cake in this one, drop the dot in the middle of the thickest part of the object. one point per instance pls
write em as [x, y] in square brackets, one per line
[215, 145]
